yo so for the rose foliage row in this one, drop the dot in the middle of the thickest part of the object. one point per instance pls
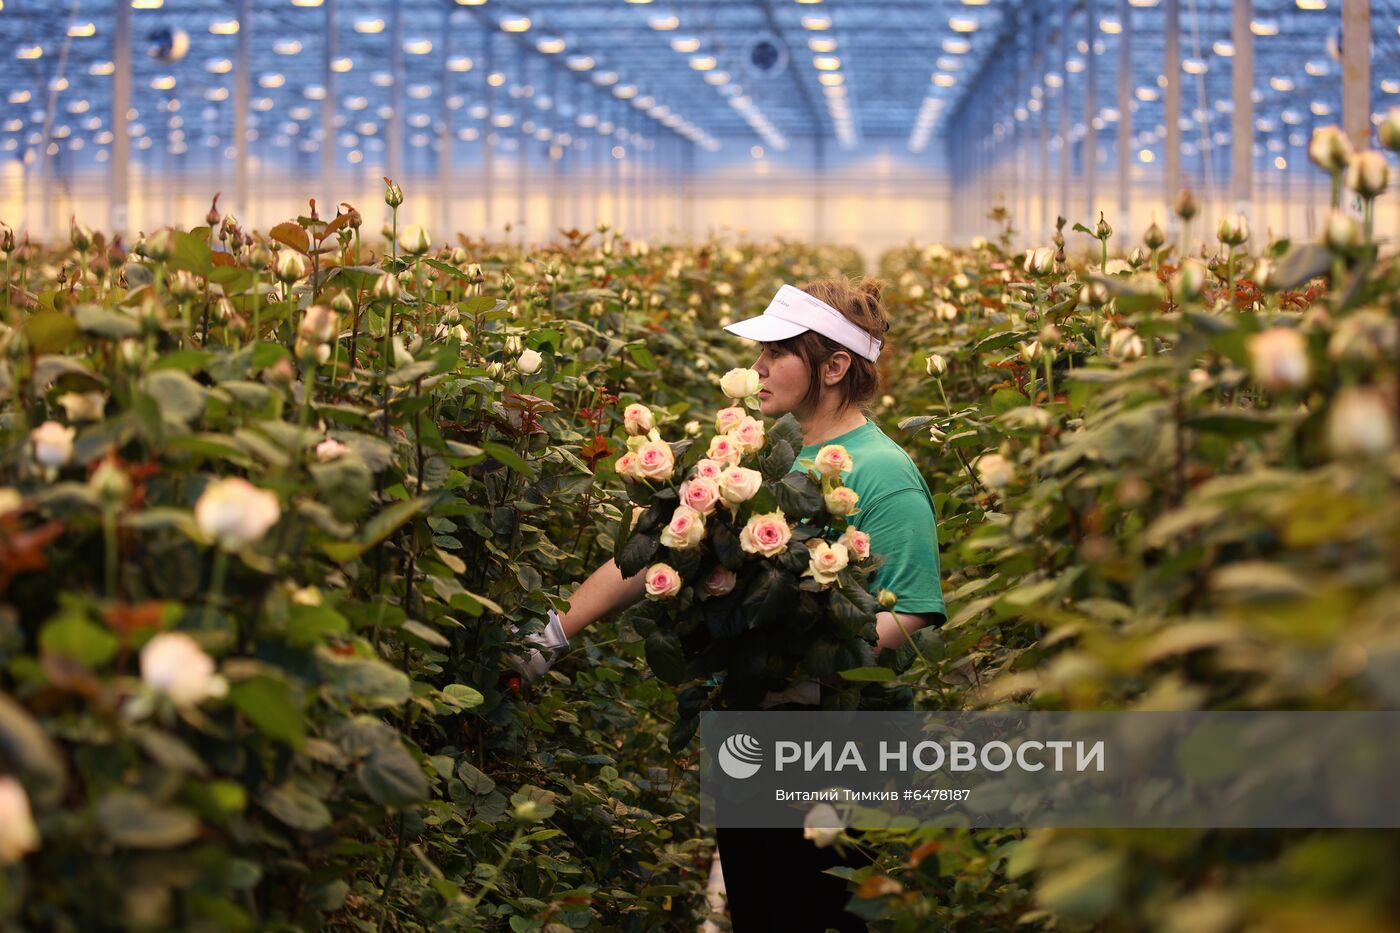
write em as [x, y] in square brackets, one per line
[271, 503]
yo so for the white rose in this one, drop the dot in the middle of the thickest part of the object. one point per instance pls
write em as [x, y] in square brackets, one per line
[995, 471]
[1125, 344]
[329, 450]
[739, 484]
[414, 239]
[1280, 358]
[234, 512]
[18, 834]
[529, 362]
[749, 435]
[173, 664]
[1361, 424]
[53, 443]
[637, 419]
[740, 383]
[825, 561]
[83, 406]
[662, 581]
[841, 501]
[822, 825]
[832, 460]
[685, 530]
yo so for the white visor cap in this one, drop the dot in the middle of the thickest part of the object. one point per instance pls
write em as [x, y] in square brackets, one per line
[792, 311]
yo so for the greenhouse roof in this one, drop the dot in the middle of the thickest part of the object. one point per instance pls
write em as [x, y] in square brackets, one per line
[719, 73]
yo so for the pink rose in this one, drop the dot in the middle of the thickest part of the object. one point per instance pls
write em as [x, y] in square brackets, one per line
[700, 493]
[708, 469]
[728, 419]
[857, 542]
[766, 534]
[626, 466]
[841, 501]
[637, 419]
[656, 461]
[738, 484]
[725, 449]
[832, 460]
[749, 435]
[720, 581]
[685, 529]
[825, 561]
[662, 581]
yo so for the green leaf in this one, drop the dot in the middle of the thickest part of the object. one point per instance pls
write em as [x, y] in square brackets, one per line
[445, 267]
[777, 460]
[463, 695]
[391, 776]
[787, 429]
[272, 706]
[180, 398]
[799, 497]
[376, 530]
[476, 780]
[1236, 423]
[508, 457]
[113, 325]
[76, 637]
[132, 820]
[1303, 262]
[867, 675]
[345, 483]
[367, 681]
[424, 633]
[185, 360]
[637, 553]
[167, 750]
[297, 807]
[665, 656]
[25, 745]
[191, 253]
[641, 356]
[309, 625]
[50, 331]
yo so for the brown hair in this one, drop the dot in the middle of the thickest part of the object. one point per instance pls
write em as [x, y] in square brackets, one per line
[859, 301]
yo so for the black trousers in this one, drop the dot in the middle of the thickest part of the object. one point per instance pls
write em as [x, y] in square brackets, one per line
[775, 882]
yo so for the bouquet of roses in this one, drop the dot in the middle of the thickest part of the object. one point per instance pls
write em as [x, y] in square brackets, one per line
[752, 570]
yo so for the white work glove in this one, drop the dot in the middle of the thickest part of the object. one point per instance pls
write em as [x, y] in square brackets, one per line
[535, 662]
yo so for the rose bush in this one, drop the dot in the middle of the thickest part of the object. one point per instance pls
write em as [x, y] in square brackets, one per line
[268, 503]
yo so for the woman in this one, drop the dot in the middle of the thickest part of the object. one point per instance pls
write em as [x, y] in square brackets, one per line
[819, 342]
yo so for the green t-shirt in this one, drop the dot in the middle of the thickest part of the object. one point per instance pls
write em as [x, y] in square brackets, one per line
[896, 510]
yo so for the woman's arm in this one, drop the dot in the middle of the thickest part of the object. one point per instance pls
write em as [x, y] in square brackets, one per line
[895, 627]
[604, 593]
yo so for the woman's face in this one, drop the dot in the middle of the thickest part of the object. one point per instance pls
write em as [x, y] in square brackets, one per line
[785, 379]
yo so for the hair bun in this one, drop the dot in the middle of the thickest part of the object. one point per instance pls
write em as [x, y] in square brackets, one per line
[871, 287]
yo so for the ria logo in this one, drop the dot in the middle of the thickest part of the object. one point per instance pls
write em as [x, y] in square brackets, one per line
[740, 756]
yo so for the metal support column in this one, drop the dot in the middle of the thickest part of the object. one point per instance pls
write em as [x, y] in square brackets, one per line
[551, 150]
[1062, 105]
[1356, 71]
[446, 137]
[393, 158]
[1043, 188]
[328, 106]
[120, 166]
[1171, 68]
[1090, 149]
[488, 133]
[522, 152]
[1242, 133]
[242, 91]
[1125, 110]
